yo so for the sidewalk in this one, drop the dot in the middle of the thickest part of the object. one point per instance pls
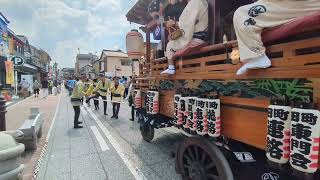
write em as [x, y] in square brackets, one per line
[80, 153]
[18, 112]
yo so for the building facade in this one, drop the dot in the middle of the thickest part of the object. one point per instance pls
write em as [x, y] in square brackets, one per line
[83, 60]
[117, 63]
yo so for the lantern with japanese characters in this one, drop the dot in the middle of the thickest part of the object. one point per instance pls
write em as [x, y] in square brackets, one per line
[305, 139]
[135, 44]
[278, 134]
[182, 111]
[189, 113]
[137, 98]
[202, 121]
[176, 108]
[153, 102]
[213, 117]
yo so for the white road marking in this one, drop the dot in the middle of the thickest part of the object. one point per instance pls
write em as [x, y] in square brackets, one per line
[83, 111]
[135, 171]
[100, 139]
[54, 119]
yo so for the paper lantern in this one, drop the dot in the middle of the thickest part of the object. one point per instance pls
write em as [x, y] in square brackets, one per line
[137, 98]
[182, 111]
[153, 102]
[135, 44]
[213, 117]
[176, 108]
[202, 121]
[305, 138]
[189, 113]
[278, 135]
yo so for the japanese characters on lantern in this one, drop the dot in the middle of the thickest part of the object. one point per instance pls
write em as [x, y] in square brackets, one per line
[190, 109]
[182, 111]
[278, 134]
[137, 98]
[176, 108]
[202, 121]
[152, 102]
[305, 138]
[213, 117]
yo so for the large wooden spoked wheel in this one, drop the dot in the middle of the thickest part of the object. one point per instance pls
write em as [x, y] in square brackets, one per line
[199, 159]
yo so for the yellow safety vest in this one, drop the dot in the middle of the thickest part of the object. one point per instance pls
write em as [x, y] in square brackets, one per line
[78, 90]
[117, 93]
[102, 88]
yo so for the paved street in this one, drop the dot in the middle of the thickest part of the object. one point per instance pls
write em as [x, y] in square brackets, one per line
[18, 112]
[105, 148]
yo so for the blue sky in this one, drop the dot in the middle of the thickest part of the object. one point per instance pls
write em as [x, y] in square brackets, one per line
[60, 27]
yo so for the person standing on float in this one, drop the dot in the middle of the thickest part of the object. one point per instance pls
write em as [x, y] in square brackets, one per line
[250, 20]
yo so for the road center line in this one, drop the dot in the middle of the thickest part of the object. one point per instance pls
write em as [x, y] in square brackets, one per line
[83, 111]
[99, 138]
[135, 171]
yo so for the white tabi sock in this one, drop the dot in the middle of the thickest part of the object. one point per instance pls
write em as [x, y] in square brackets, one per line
[170, 70]
[255, 63]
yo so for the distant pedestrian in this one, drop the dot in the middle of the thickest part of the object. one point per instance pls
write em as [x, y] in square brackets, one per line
[45, 86]
[129, 97]
[25, 88]
[76, 97]
[50, 86]
[117, 91]
[126, 87]
[36, 88]
[71, 83]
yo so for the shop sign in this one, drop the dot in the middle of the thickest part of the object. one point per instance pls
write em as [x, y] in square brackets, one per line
[17, 61]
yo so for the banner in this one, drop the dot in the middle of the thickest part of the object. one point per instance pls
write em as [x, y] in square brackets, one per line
[9, 72]
[3, 38]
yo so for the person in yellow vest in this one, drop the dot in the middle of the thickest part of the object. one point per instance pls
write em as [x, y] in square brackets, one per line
[91, 92]
[101, 90]
[77, 95]
[117, 92]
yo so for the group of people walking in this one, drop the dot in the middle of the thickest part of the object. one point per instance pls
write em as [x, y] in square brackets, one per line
[45, 85]
[94, 89]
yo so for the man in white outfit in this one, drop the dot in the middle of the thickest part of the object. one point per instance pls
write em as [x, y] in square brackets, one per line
[250, 20]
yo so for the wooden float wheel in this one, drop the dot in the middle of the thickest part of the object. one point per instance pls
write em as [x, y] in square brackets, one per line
[199, 159]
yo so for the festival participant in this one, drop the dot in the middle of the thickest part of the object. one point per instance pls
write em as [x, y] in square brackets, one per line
[102, 91]
[250, 20]
[129, 97]
[193, 24]
[76, 97]
[117, 91]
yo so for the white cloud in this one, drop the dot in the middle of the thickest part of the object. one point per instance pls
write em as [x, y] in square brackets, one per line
[62, 26]
[104, 4]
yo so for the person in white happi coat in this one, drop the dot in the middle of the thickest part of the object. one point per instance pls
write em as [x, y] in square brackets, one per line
[193, 22]
[250, 20]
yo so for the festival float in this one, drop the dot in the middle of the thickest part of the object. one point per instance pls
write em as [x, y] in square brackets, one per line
[263, 124]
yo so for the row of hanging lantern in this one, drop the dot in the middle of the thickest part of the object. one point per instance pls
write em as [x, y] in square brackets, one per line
[197, 115]
[294, 135]
[151, 101]
[137, 99]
